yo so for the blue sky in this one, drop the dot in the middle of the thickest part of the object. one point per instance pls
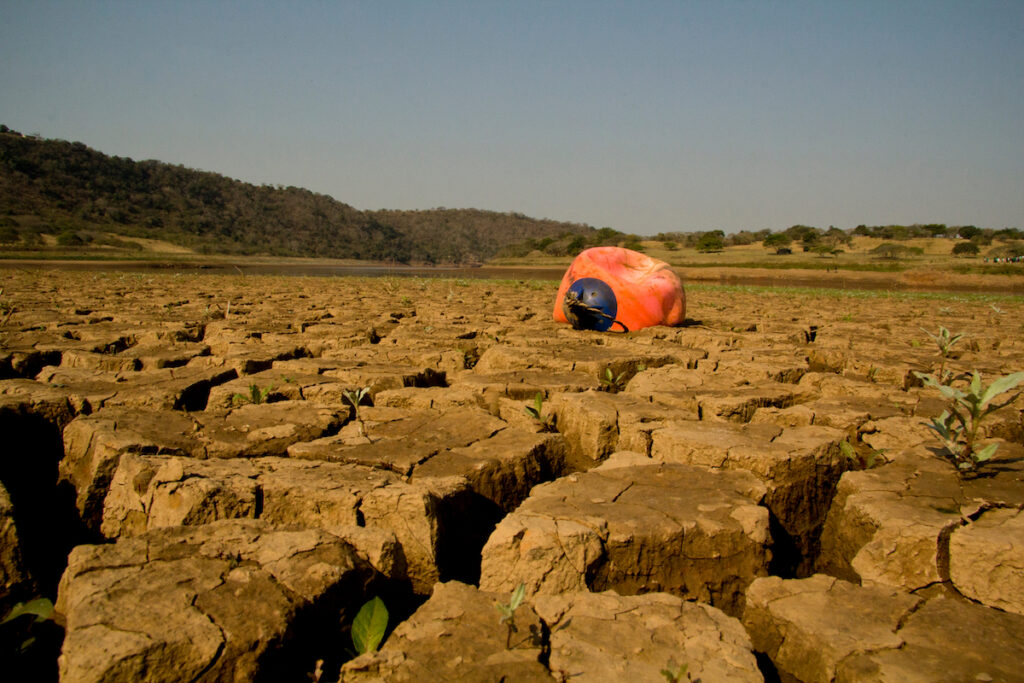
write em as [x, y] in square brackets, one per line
[642, 116]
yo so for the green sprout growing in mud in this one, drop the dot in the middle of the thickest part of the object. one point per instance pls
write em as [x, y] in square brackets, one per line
[868, 461]
[958, 425]
[369, 626]
[613, 383]
[674, 673]
[256, 395]
[536, 411]
[28, 631]
[508, 612]
[945, 341]
[355, 398]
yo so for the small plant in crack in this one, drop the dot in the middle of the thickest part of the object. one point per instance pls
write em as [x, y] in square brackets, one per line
[675, 673]
[355, 398]
[256, 395]
[613, 383]
[873, 458]
[958, 425]
[945, 341]
[508, 612]
[536, 411]
[369, 626]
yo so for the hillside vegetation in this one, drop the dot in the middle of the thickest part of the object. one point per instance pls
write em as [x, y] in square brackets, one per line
[64, 194]
[63, 199]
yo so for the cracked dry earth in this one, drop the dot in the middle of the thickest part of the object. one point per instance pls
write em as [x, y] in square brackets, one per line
[182, 474]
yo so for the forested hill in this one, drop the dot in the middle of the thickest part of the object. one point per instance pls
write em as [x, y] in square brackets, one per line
[65, 188]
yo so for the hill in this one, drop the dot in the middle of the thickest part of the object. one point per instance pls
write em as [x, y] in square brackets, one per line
[68, 193]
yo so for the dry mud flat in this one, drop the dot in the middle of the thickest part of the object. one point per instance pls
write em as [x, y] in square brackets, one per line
[183, 474]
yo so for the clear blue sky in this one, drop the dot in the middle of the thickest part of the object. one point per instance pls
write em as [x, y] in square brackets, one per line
[642, 116]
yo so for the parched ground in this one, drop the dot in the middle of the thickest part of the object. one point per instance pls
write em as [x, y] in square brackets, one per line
[751, 494]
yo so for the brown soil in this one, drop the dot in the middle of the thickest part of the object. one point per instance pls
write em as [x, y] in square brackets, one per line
[768, 382]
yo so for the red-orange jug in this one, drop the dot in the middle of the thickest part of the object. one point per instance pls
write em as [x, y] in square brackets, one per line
[618, 290]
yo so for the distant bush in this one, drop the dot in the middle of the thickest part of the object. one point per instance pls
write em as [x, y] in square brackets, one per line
[69, 238]
[966, 249]
[888, 250]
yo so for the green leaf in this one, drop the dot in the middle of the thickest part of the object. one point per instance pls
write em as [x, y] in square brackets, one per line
[1002, 385]
[517, 596]
[369, 626]
[42, 608]
[986, 452]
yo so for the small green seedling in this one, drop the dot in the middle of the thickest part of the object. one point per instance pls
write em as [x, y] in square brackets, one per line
[369, 626]
[613, 383]
[536, 411]
[508, 612]
[256, 395]
[866, 462]
[945, 341]
[957, 427]
[674, 673]
[355, 398]
[22, 634]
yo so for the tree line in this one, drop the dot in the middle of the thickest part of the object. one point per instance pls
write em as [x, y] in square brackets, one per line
[82, 196]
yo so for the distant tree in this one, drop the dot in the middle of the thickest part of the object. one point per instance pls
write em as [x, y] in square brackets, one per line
[862, 230]
[576, 245]
[888, 250]
[936, 229]
[967, 231]
[965, 249]
[8, 234]
[69, 238]
[777, 241]
[711, 241]
[671, 246]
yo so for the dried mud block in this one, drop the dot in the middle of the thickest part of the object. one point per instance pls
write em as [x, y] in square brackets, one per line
[14, 580]
[265, 429]
[35, 400]
[892, 525]
[501, 469]
[400, 439]
[523, 385]
[430, 398]
[440, 519]
[456, 635]
[156, 355]
[800, 467]
[946, 639]
[621, 356]
[684, 530]
[897, 433]
[251, 358]
[95, 443]
[604, 636]
[88, 360]
[703, 396]
[380, 376]
[185, 388]
[986, 559]
[231, 600]
[596, 424]
[762, 364]
[849, 415]
[809, 627]
[152, 492]
[279, 385]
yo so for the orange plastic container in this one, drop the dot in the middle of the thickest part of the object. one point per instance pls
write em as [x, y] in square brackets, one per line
[647, 291]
